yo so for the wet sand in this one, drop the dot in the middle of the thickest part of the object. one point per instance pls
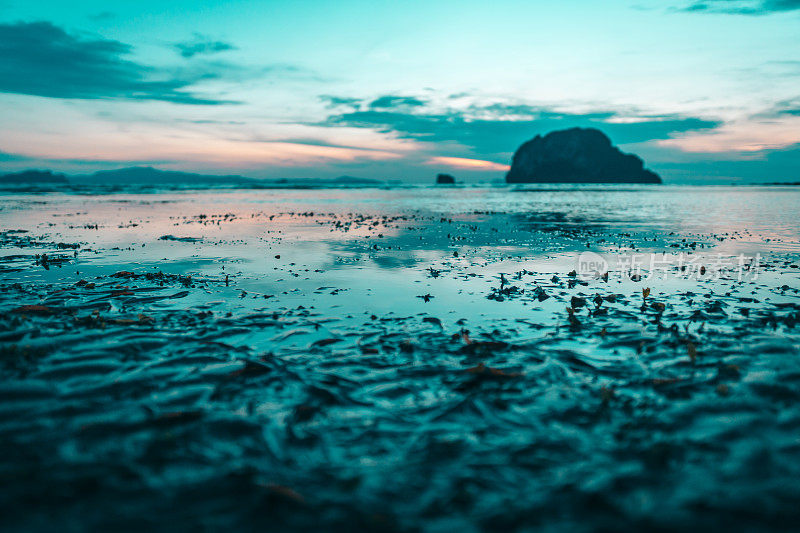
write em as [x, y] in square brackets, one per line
[400, 359]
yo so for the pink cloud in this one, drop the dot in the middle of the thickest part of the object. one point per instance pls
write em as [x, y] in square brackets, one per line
[745, 137]
[467, 164]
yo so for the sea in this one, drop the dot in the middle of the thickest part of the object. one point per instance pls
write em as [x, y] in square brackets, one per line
[400, 358]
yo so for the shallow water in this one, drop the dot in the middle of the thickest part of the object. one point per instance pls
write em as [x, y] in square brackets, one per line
[400, 359]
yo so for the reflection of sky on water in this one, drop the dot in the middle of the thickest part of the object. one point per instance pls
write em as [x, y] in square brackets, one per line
[376, 246]
[760, 216]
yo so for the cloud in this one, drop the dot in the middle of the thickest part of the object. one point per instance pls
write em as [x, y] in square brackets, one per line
[495, 131]
[202, 45]
[102, 16]
[765, 166]
[743, 7]
[741, 137]
[388, 101]
[308, 141]
[332, 102]
[392, 101]
[42, 59]
[467, 164]
[207, 150]
[788, 107]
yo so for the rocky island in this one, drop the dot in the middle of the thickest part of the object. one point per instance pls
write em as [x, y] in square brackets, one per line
[576, 155]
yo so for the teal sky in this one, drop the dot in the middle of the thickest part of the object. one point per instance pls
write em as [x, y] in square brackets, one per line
[704, 91]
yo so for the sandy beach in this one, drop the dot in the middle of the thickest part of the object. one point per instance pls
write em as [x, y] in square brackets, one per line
[383, 358]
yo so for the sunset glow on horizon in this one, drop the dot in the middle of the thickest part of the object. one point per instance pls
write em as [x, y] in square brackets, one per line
[202, 86]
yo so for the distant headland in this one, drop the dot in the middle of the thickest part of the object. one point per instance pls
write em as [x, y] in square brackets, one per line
[157, 178]
[576, 155]
[34, 177]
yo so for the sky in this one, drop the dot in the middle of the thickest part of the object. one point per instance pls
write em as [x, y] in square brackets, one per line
[705, 91]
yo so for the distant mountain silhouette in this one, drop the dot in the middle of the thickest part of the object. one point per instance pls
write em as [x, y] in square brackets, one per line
[353, 180]
[33, 177]
[576, 155]
[154, 176]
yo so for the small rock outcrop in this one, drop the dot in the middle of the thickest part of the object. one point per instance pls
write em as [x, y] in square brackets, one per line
[576, 155]
[445, 179]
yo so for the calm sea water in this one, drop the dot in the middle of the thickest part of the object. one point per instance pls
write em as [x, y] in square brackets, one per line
[769, 211]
